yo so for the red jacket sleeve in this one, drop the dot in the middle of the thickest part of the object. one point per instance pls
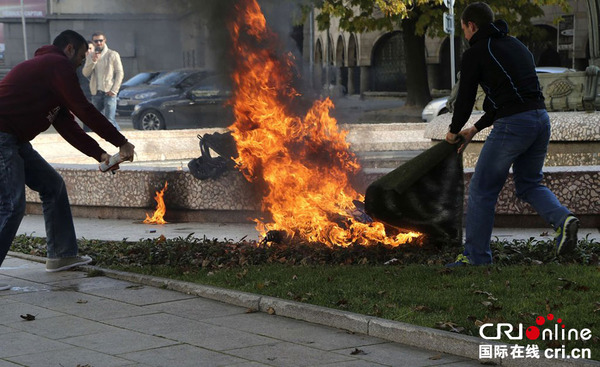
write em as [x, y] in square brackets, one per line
[66, 86]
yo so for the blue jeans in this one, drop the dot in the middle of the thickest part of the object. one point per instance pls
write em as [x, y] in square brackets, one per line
[520, 140]
[107, 105]
[21, 165]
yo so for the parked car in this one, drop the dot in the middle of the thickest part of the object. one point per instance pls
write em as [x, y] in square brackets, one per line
[438, 107]
[202, 105]
[141, 78]
[167, 84]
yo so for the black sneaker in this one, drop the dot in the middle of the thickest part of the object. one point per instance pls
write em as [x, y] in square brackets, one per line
[566, 235]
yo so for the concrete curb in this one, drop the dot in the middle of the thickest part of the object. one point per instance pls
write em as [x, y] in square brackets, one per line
[399, 332]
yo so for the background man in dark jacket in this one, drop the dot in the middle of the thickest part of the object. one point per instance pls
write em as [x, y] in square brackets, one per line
[514, 104]
[35, 94]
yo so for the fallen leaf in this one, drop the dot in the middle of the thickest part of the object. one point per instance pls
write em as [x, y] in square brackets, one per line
[134, 286]
[251, 310]
[271, 311]
[357, 351]
[28, 317]
[436, 357]
[82, 301]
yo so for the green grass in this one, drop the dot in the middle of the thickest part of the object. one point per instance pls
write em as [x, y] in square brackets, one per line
[529, 281]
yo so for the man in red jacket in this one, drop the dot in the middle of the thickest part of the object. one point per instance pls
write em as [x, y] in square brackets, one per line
[35, 94]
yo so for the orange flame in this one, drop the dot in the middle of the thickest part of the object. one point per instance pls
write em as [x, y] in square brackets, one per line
[161, 209]
[304, 161]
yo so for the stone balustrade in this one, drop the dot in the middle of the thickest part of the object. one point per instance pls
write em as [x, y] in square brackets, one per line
[230, 198]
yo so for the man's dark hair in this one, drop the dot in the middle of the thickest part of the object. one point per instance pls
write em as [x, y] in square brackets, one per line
[98, 33]
[69, 37]
[479, 13]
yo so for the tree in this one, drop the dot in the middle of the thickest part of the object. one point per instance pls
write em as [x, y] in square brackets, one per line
[421, 18]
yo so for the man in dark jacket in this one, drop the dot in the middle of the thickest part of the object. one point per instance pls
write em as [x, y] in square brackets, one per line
[35, 94]
[514, 104]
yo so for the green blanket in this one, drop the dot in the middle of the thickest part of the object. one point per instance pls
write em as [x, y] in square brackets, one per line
[424, 194]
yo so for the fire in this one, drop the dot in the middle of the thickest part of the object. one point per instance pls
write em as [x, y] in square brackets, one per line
[304, 161]
[161, 209]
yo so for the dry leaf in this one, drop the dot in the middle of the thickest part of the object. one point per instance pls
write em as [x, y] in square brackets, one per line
[251, 310]
[436, 357]
[28, 317]
[82, 301]
[271, 311]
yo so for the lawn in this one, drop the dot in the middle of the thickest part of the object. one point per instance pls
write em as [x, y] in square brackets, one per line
[526, 281]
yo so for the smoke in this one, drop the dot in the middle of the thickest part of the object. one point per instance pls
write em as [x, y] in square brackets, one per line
[284, 18]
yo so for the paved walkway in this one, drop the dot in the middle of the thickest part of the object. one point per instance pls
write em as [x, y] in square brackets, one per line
[118, 229]
[103, 322]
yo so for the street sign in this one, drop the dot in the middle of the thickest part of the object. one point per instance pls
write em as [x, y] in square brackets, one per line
[448, 23]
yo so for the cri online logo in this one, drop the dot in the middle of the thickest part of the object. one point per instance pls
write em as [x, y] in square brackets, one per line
[558, 332]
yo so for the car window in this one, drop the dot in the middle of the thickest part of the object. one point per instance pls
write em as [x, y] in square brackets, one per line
[211, 86]
[193, 79]
[138, 79]
[171, 78]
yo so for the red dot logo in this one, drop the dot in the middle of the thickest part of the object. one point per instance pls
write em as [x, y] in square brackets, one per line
[550, 316]
[540, 320]
[532, 332]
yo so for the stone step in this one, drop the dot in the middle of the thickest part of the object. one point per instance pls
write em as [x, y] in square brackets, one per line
[386, 159]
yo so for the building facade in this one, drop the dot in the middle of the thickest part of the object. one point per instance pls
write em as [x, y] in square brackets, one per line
[374, 61]
[148, 34]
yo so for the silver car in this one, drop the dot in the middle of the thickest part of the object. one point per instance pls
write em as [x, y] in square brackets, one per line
[438, 106]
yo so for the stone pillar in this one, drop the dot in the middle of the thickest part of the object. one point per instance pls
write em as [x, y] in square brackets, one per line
[365, 84]
[351, 87]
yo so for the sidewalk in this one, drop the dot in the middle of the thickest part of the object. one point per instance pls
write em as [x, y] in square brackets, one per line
[103, 322]
[124, 319]
[119, 229]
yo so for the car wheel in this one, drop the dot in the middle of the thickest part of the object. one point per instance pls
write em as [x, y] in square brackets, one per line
[152, 120]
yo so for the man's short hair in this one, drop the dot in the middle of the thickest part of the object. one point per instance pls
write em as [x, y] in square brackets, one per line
[98, 33]
[69, 37]
[479, 13]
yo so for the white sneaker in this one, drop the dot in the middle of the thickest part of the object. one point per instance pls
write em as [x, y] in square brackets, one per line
[4, 287]
[66, 263]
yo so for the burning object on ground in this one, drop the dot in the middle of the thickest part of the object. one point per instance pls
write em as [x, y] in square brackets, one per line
[301, 158]
[161, 209]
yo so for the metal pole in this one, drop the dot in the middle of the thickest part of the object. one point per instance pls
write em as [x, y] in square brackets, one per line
[311, 49]
[452, 63]
[24, 29]
[328, 43]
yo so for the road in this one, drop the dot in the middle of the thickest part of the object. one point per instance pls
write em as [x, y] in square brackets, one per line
[347, 110]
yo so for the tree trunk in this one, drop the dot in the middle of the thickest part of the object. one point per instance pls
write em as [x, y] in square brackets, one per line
[417, 84]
